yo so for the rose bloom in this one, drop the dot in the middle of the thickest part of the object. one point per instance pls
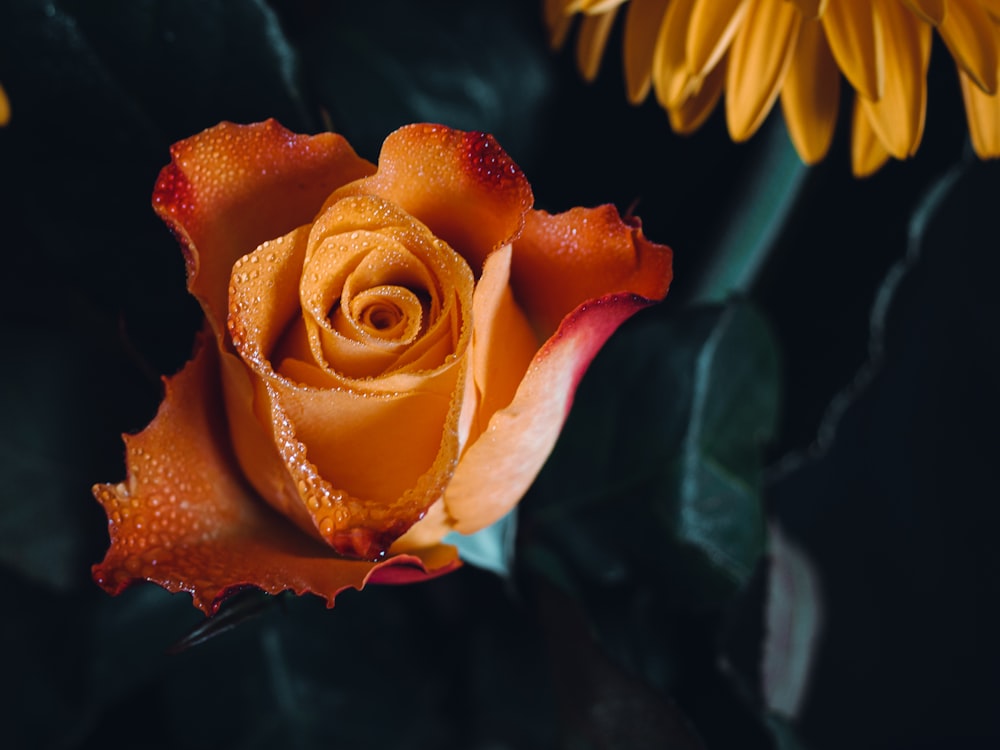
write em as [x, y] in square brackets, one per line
[389, 354]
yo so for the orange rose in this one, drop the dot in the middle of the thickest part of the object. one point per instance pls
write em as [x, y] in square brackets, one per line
[389, 355]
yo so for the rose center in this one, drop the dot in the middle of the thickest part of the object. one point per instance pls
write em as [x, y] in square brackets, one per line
[381, 317]
[387, 313]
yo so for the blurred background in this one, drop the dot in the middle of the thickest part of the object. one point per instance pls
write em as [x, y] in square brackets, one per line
[770, 521]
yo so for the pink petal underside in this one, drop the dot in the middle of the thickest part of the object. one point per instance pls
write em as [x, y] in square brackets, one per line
[520, 437]
[185, 519]
[232, 187]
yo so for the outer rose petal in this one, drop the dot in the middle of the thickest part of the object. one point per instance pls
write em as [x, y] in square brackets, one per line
[463, 186]
[520, 437]
[563, 260]
[186, 520]
[232, 187]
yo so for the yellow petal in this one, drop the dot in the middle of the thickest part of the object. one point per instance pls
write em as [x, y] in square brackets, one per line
[898, 117]
[810, 9]
[811, 95]
[992, 7]
[558, 19]
[642, 26]
[672, 82]
[983, 113]
[758, 61]
[594, 7]
[856, 42]
[867, 152]
[931, 11]
[694, 110]
[972, 39]
[592, 40]
[4, 108]
[712, 26]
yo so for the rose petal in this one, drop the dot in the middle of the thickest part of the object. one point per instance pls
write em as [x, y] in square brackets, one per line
[184, 519]
[463, 186]
[232, 187]
[426, 532]
[563, 260]
[361, 460]
[503, 346]
[520, 437]
[503, 343]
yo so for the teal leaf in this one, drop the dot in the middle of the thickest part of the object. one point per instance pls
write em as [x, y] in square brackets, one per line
[716, 506]
[491, 548]
[895, 506]
[659, 465]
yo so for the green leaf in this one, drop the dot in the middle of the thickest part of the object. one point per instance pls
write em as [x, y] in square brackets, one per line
[376, 66]
[896, 507]
[715, 506]
[659, 464]
[755, 219]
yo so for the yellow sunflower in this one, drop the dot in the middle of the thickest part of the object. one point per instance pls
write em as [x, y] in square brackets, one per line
[688, 52]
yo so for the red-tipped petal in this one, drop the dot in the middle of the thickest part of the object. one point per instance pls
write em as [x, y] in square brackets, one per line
[185, 519]
[563, 260]
[232, 187]
[463, 186]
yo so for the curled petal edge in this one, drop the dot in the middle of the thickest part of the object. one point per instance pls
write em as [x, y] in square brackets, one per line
[185, 519]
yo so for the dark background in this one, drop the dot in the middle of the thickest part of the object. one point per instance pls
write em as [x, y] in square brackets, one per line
[848, 397]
